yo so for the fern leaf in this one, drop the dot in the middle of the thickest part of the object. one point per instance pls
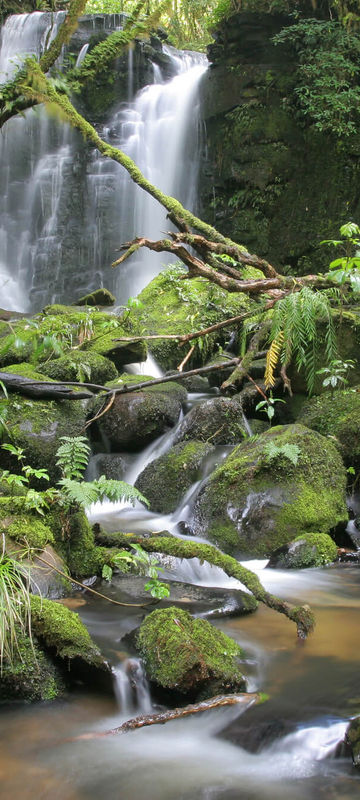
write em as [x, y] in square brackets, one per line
[117, 490]
[83, 494]
[272, 357]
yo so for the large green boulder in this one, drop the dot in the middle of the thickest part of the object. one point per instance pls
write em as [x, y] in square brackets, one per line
[218, 420]
[188, 656]
[37, 426]
[172, 305]
[137, 418]
[336, 414]
[259, 499]
[165, 480]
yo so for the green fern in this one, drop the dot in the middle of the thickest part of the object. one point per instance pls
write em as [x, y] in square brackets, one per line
[85, 493]
[290, 451]
[297, 317]
[81, 493]
[73, 456]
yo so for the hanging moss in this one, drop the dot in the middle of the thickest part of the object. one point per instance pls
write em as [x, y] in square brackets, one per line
[31, 676]
[29, 531]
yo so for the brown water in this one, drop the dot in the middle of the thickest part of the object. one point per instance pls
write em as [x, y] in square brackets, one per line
[314, 688]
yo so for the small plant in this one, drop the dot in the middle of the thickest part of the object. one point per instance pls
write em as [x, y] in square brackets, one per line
[336, 374]
[289, 451]
[346, 268]
[267, 406]
[144, 564]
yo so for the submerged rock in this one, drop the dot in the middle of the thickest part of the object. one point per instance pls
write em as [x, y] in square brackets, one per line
[188, 656]
[257, 499]
[218, 420]
[165, 480]
[307, 550]
[336, 414]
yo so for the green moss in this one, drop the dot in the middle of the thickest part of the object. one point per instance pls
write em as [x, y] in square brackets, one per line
[100, 297]
[166, 479]
[75, 543]
[31, 676]
[353, 739]
[76, 365]
[174, 306]
[265, 503]
[62, 631]
[30, 531]
[322, 549]
[28, 371]
[184, 654]
[336, 414]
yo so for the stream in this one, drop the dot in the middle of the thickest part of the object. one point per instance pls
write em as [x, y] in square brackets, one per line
[284, 748]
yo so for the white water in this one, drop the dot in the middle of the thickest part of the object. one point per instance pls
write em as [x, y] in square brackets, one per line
[64, 209]
[131, 688]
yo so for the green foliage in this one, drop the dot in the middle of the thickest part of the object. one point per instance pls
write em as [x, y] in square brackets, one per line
[73, 456]
[143, 564]
[84, 493]
[346, 269]
[327, 90]
[267, 406]
[15, 613]
[297, 316]
[336, 373]
[288, 450]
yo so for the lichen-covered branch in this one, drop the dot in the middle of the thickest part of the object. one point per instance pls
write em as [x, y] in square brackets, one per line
[63, 35]
[169, 545]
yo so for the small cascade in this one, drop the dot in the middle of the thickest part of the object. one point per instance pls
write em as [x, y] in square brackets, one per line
[131, 687]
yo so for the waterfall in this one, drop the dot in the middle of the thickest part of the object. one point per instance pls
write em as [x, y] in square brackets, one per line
[64, 208]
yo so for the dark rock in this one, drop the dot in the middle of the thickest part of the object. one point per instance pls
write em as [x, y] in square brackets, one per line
[352, 738]
[336, 414]
[308, 550]
[218, 420]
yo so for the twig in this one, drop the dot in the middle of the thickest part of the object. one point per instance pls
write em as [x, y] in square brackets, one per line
[186, 359]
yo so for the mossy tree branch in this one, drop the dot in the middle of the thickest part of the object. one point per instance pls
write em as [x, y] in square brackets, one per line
[301, 615]
[63, 35]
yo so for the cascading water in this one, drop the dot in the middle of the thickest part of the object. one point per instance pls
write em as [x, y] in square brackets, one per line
[65, 209]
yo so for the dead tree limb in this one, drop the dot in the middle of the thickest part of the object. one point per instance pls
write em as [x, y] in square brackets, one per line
[170, 545]
[161, 717]
[236, 378]
[42, 389]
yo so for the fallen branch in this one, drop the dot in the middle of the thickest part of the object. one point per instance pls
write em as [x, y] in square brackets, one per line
[43, 389]
[170, 545]
[160, 718]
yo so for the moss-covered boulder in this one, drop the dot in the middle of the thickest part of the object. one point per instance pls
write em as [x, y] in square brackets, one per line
[31, 676]
[75, 543]
[188, 656]
[173, 305]
[26, 530]
[258, 499]
[27, 370]
[218, 420]
[307, 550]
[36, 426]
[336, 414]
[99, 297]
[78, 365]
[137, 418]
[352, 738]
[165, 480]
[61, 632]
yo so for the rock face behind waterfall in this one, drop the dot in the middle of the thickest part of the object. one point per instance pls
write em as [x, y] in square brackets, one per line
[255, 502]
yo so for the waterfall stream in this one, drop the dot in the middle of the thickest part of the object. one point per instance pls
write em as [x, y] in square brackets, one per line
[64, 208]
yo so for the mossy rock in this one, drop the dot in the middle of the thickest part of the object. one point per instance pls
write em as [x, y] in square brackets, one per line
[75, 543]
[27, 530]
[63, 634]
[31, 676]
[37, 426]
[307, 550]
[67, 368]
[253, 503]
[218, 420]
[137, 418]
[172, 305]
[165, 480]
[100, 297]
[188, 656]
[336, 414]
[27, 370]
[352, 738]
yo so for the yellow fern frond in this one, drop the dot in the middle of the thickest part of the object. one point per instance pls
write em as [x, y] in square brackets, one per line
[272, 357]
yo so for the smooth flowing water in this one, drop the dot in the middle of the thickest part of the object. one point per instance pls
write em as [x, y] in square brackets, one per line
[64, 208]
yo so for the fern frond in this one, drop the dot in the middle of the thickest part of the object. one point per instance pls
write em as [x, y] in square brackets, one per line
[81, 493]
[272, 358]
[117, 490]
[73, 456]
